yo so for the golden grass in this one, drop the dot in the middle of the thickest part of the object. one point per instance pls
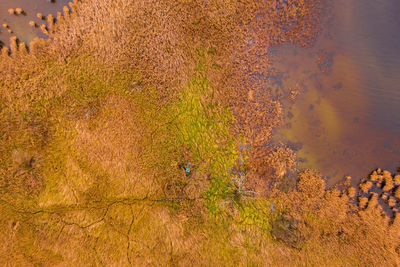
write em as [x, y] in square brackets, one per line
[98, 122]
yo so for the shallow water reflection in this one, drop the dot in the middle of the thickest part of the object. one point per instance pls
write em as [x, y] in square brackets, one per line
[346, 120]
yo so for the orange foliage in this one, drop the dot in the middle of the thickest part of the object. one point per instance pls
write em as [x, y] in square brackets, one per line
[162, 37]
[328, 228]
[351, 191]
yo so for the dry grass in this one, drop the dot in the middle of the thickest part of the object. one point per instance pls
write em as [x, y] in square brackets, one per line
[98, 122]
[331, 231]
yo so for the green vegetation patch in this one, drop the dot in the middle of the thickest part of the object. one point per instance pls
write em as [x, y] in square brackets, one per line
[201, 127]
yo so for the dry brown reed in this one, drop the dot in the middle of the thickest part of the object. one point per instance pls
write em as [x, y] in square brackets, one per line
[365, 186]
[13, 45]
[66, 11]
[397, 192]
[373, 201]
[281, 159]
[388, 181]
[396, 221]
[396, 179]
[328, 222]
[5, 51]
[386, 174]
[392, 201]
[311, 184]
[160, 40]
[60, 17]
[44, 29]
[163, 40]
[362, 202]
[351, 191]
[50, 22]
[373, 176]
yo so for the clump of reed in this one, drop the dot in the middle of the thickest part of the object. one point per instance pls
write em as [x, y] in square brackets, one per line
[281, 159]
[311, 184]
[380, 190]
[6, 26]
[60, 17]
[396, 179]
[66, 11]
[391, 201]
[5, 51]
[20, 11]
[373, 201]
[14, 45]
[40, 16]
[386, 173]
[17, 11]
[351, 192]
[50, 22]
[374, 176]
[44, 29]
[396, 220]
[73, 5]
[388, 181]
[397, 192]
[16, 48]
[366, 186]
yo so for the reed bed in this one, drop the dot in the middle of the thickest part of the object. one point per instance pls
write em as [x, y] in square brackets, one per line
[98, 122]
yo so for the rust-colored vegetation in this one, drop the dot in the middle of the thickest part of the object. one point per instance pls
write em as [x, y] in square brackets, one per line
[366, 186]
[351, 191]
[333, 229]
[100, 123]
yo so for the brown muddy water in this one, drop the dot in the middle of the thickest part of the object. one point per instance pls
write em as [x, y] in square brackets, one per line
[346, 118]
[19, 24]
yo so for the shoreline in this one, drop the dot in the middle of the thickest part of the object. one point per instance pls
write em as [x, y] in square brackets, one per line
[118, 131]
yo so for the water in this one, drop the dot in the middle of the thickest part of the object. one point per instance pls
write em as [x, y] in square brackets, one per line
[19, 25]
[346, 119]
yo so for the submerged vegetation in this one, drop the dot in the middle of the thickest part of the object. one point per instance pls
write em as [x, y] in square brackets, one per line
[138, 135]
